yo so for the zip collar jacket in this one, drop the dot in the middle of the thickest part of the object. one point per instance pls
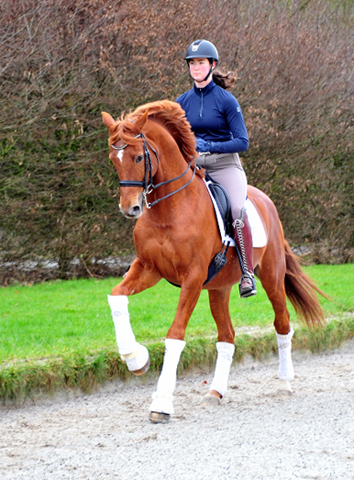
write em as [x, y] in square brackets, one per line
[215, 116]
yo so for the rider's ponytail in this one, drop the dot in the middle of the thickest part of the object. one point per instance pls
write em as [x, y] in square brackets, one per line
[224, 80]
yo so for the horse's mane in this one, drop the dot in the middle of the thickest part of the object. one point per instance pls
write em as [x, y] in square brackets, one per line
[169, 114]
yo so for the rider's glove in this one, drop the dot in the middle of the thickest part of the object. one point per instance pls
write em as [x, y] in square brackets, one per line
[203, 146]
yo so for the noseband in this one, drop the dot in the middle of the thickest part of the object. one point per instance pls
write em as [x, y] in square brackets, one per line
[147, 184]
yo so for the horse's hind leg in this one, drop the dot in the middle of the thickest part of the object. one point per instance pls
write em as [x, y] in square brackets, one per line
[286, 369]
[272, 276]
[219, 305]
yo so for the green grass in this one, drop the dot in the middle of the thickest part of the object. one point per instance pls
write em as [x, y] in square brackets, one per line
[72, 317]
[59, 335]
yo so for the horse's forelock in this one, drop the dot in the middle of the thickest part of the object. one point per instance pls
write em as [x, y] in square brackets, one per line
[125, 130]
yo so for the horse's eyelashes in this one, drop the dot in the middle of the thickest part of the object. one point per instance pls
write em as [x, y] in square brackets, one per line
[139, 159]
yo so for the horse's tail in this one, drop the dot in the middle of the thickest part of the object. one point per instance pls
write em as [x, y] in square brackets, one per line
[302, 291]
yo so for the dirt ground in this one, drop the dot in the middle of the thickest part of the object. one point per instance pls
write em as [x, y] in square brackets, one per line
[257, 432]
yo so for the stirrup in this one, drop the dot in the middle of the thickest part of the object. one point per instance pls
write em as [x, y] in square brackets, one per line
[247, 290]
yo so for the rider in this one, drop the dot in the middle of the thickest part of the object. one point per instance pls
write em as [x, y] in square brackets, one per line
[217, 122]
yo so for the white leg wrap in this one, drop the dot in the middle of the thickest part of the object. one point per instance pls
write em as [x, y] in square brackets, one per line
[163, 397]
[138, 359]
[222, 369]
[286, 369]
[135, 355]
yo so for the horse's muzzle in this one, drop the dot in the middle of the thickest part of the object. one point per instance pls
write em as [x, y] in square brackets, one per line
[133, 212]
[133, 209]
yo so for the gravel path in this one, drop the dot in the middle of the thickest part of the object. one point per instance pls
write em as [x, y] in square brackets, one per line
[257, 433]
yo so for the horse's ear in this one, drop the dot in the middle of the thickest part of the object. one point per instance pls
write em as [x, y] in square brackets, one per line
[140, 122]
[108, 120]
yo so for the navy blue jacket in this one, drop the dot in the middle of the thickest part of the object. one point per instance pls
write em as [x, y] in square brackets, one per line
[215, 116]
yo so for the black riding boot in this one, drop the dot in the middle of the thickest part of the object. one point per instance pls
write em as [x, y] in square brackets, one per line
[243, 237]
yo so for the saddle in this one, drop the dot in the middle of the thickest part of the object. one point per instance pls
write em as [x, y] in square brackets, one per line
[222, 202]
[222, 208]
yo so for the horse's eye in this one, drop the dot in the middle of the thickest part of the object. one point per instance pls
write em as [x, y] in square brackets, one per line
[138, 158]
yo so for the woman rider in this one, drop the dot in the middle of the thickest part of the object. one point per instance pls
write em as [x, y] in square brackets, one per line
[217, 122]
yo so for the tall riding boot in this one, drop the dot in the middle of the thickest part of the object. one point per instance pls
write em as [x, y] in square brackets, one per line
[243, 237]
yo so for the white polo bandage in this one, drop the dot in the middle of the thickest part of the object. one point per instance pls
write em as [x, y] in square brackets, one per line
[222, 368]
[124, 333]
[138, 359]
[286, 369]
[163, 397]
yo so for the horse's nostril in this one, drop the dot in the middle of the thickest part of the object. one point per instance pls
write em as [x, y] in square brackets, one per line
[136, 209]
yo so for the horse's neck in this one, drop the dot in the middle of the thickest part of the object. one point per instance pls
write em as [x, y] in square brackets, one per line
[171, 162]
[171, 165]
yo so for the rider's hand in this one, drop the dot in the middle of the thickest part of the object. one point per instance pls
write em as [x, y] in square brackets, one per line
[203, 146]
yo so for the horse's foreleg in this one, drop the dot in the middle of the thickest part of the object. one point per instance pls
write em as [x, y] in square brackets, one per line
[135, 355]
[219, 306]
[162, 403]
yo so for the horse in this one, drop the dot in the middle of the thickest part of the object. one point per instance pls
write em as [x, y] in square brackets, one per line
[176, 237]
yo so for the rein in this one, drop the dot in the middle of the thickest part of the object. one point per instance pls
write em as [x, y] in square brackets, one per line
[148, 186]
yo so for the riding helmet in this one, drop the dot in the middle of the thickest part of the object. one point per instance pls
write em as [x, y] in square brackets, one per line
[202, 49]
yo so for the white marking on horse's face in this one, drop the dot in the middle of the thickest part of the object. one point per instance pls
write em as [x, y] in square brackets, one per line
[120, 155]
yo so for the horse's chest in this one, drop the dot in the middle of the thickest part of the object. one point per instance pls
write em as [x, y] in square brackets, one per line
[166, 248]
[167, 252]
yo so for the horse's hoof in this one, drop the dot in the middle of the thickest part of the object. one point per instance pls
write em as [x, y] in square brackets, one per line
[159, 417]
[211, 400]
[285, 389]
[143, 370]
[285, 393]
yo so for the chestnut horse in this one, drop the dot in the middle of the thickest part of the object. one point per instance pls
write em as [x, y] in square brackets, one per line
[176, 237]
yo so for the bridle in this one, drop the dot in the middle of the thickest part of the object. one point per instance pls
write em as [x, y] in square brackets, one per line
[147, 184]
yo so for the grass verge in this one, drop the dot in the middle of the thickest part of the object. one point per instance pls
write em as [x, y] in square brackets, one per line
[26, 378]
[59, 335]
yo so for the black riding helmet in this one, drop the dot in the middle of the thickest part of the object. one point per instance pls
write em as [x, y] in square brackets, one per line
[202, 49]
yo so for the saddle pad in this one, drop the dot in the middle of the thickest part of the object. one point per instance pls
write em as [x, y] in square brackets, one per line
[259, 237]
